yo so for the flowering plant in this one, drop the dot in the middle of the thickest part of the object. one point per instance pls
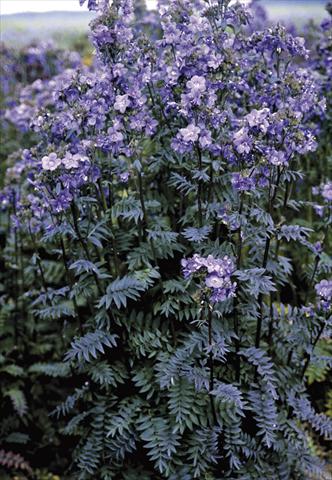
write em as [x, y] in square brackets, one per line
[161, 192]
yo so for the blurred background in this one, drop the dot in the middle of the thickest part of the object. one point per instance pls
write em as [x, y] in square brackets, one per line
[23, 21]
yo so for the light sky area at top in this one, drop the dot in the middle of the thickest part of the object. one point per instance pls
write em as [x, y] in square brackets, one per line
[18, 6]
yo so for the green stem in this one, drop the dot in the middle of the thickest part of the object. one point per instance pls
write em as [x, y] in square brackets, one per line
[71, 282]
[141, 198]
[211, 365]
[308, 359]
[83, 244]
[199, 189]
[115, 251]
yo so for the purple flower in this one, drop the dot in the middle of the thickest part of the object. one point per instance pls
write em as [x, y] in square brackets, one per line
[124, 177]
[51, 162]
[122, 102]
[319, 209]
[324, 289]
[309, 311]
[221, 294]
[242, 141]
[96, 4]
[115, 135]
[190, 133]
[318, 248]
[277, 158]
[205, 139]
[258, 118]
[196, 87]
[216, 273]
[327, 191]
[196, 84]
[242, 183]
[192, 265]
[70, 161]
[214, 281]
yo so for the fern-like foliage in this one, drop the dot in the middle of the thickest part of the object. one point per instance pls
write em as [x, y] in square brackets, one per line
[18, 400]
[203, 450]
[159, 440]
[106, 375]
[120, 290]
[51, 369]
[305, 412]
[87, 347]
[14, 461]
[264, 367]
[70, 402]
[185, 405]
[265, 412]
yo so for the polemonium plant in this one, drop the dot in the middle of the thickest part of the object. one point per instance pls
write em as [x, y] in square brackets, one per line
[163, 187]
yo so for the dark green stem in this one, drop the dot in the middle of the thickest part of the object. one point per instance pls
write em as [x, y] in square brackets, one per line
[199, 189]
[83, 244]
[211, 364]
[308, 359]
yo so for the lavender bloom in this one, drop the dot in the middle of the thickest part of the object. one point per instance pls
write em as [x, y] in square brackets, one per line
[71, 161]
[242, 183]
[242, 141]
[196, 87]
[222, 294]
[190, 133]
[214, 281]
[115, 135]
[205, 139]
[318, 248]
[309, 311]
[196, 84]
[122, 102]
[62, 201]
[327, 191]
[51, 162]
[258, 118]
[96, 4]
[319, 209]
[324, 291]
[124, 177]
[192, 265]
[217, 273]
[277, 158]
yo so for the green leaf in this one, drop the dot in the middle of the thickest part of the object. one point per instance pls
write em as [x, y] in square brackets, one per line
[120, 290]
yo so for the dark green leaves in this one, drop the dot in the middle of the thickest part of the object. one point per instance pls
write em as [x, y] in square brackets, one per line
[87, 347]
[120, 290]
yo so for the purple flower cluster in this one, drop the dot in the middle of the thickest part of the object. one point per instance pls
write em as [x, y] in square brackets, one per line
[38, 66]
[193, 88]
[191, 93]
[324, 291]
[325, 191]
[216, 273]
[51, 162]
